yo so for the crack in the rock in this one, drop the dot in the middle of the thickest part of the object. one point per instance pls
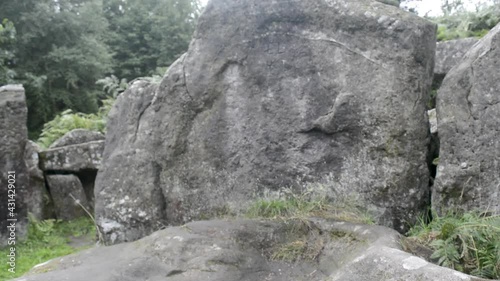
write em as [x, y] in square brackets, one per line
[185, 79]
[159, 197]
[469, 90]
[419, 98]
[138, 123]
[316, 129]
[341, 45]
[174, 272]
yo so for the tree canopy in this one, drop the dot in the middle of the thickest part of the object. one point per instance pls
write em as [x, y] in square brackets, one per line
[458, 22]
[7, 38]
[148, 35]
[58, 49]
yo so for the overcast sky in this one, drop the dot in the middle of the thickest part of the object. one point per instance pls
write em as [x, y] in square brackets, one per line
[432, 7]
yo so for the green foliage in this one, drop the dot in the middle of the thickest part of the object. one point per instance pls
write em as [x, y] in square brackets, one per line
[290, 252]
[46, 240]
[68, 121]
[63, 47]
[272, 208]
[458, 23]
[103, 111]
[113, 86]
[292, 205]
[7, 39]
[60, 53]
[469, 243]
[147, 34]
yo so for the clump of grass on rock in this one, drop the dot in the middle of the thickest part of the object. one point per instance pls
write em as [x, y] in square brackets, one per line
[293, 205]
[304, 241]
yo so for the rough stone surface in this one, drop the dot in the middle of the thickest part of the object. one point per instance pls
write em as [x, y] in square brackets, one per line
[468, 110]
[251, 251]
[13, 137]
[77, 136]
[274, 94]
[38, 199]
[63, 188]
[73, 158]
[450, 53]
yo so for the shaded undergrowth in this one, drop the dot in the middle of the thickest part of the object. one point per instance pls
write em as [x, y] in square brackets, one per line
[46, 240]
[468, 242]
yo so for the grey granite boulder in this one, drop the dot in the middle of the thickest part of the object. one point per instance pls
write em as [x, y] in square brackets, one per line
[450, 53]
[275, 94]
[68, 195]
[13, 170]
[77, 136]
[247, 250]
[468, 111]
[73, 158]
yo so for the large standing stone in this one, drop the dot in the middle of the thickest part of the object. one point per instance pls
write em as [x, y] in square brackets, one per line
[68, 196]
[274, 94]
[468, 110]
[13, 137]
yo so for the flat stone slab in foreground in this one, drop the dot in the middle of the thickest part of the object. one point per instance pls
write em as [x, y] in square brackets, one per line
[247, 250]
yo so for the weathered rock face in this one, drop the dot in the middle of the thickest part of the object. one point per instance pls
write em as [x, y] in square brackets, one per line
[274, 94]
[468, 110]
[13, 137]
[78, 136]
[251, 251]
[73, 158]
[450, 53]
[68, 196]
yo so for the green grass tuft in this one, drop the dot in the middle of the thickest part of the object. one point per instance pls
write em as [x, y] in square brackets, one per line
[290, 252]
[292, 205]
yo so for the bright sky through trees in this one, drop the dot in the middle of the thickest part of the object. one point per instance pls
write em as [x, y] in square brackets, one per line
[433, 7]
[429, 7]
